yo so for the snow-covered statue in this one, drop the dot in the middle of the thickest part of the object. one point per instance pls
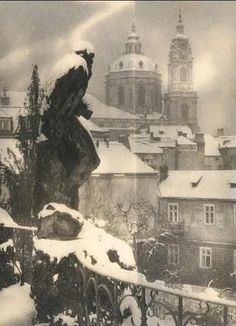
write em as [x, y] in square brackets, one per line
[66, 152]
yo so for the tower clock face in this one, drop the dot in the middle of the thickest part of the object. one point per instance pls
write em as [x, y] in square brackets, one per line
[183, 44]
[183, 56]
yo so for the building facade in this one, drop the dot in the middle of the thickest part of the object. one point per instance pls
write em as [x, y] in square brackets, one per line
[122, 178]
[180, 102]
[199, 209]
[133, 83]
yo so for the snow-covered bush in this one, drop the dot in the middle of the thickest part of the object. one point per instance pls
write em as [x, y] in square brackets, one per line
[8, 276]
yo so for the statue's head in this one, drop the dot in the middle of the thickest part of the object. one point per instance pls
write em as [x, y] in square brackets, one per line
[85, 50]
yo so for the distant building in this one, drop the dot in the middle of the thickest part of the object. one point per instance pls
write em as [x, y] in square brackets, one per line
[121, 178]
[11, 106]
[176, 146]
[227, 149]
[180, 102]
[213, 158]
[133, 82]
[199, 209]
[117, 121]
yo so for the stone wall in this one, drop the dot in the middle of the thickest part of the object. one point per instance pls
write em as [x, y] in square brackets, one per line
[101, 194]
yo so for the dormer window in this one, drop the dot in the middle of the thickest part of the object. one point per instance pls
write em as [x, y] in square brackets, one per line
[232, 182]
[195, 179]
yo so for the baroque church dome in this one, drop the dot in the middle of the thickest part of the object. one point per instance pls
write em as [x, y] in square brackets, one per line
[133, 58]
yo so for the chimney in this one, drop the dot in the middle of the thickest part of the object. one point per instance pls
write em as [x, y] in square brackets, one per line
[220, 132]
[123, 139]
[199, 139]
[5, 100]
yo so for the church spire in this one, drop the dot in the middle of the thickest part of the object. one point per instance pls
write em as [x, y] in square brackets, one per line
[133, 44]
[180, 26]
[133, 29]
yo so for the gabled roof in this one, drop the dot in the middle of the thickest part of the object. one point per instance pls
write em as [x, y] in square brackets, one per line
[118, 159]
[212, 184]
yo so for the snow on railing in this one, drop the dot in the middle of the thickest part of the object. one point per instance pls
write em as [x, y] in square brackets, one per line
[126, 298]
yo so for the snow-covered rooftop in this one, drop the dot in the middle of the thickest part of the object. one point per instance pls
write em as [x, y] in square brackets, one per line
[227, 141]
[101, 110]
[181, 140]
[211, 146]
[140, 146]
[171, 132]
[91, 126]
[212, 184]
[118, 159]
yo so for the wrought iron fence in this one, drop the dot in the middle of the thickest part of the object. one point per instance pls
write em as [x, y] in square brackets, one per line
[103, 299]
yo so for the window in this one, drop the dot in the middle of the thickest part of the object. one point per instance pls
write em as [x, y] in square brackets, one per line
[209, 214]
[205, 257]
[173, 213]
[185, 112]
[5, 124]
[121, 65]
[141, 95]
[234, 259]
[183, 74]
[173, 254]
[121, 96]
[140, 64]
[234, 215]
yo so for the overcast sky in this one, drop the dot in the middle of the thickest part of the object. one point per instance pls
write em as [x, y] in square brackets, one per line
[42, 32]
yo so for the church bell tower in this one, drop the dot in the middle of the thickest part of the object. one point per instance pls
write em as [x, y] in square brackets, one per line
[181, 99]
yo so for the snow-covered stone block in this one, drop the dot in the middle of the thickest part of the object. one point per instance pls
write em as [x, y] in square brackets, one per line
[56, 221]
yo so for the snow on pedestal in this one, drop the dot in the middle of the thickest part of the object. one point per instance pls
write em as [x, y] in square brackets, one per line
[92, 245]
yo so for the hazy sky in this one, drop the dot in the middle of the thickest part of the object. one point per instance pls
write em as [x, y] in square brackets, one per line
[43, 32]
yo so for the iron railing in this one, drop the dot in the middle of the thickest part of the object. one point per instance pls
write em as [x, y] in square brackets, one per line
[129, 299]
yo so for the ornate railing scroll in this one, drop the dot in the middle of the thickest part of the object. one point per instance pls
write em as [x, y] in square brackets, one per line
[116, 302]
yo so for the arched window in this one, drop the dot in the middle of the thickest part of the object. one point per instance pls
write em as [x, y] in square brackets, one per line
[121, 96]
[141, 95]
[183, 74]
[173, 74]
[185, 112]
